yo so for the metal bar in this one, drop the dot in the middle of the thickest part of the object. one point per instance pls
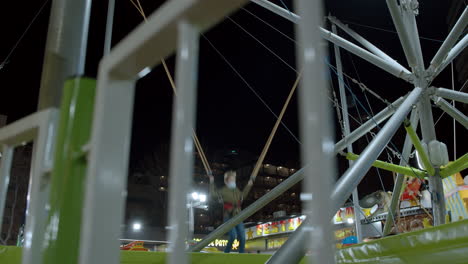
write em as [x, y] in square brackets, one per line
[395, 202]
[403, 34]
[109, 26]
[435, 181]
[366, 55]
[5, 170]
[354, 174]
[457, 49]
[160, 31]
[347, 131]
[451, 39]
[316, 133]
[106, 181]
[408, 171]
[452, 111]
[65, 52]
[39, 188]
[39, 127]
[68, 175]
[351, 178]
[452, 95]
[368, 126]
[455, 167]
[181, 164]
[409, 20]
[371, 47]
[278, 10]
[419, 148]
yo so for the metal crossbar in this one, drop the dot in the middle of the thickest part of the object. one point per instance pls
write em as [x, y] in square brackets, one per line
[39, 128]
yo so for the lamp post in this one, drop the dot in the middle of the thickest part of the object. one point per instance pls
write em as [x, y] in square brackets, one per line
[197, 200]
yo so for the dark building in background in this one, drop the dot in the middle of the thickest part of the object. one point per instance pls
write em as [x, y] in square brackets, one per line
[15, 207]
[147, 198]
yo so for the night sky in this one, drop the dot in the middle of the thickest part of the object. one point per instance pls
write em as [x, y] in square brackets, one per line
[229, 114]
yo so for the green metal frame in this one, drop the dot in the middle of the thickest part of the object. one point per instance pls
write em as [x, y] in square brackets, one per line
[419, 148]
[68, 175]
[408, 171]
[455, 167]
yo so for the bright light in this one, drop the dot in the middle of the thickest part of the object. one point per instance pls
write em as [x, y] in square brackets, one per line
[202, 197]
[144, 72]
[136, 226]
[195, 195]
[350, 221]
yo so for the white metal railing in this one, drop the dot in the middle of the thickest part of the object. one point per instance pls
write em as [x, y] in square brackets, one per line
[40, 128]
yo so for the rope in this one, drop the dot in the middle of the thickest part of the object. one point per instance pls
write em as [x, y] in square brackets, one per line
[277, 56]
[249, 86]
[337, 109]
[261, 43]
[273, 131]
[387, 30]
[361, 85]
[5, 61]
[196, 141]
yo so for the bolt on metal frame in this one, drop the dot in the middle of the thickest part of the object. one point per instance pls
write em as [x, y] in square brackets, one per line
[39, 128]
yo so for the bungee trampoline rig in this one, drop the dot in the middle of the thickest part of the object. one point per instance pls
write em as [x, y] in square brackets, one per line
[82, 137]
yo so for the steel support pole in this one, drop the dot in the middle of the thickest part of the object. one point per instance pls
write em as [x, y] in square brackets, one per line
[347, 131]
[457, 49]
[295, 248]
[109, 26]
[294, 179]
[67, 181]
[371, 47]
[368, 126]
[451, 39]
[395, 202]
[435, 181]
[405, 39]
[452, 111]
[181, 164]
[452, 95]
[409, 19]
[191, 217]
[366, 55]
[5, 171]
[315, 124]
[65, 52]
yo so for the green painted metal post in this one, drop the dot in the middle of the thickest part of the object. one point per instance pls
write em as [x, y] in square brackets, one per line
[419, 148]
[68, 175]
[455, 167]
[408, 171]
